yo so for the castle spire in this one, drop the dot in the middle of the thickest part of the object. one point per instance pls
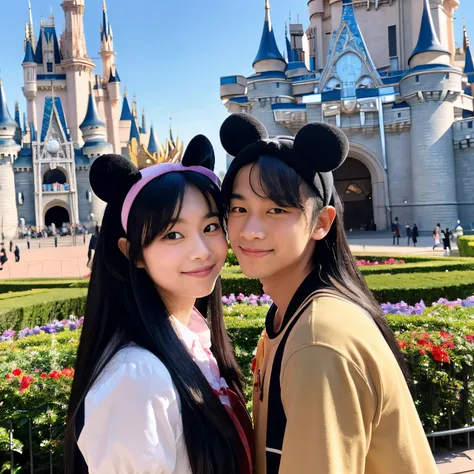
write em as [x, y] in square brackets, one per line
[92, 117]
[268, 49]
[465, 37]
[30, 27]
[469, 64]
[152, 145]
[428, 39]
[105, 29]
[5, 117]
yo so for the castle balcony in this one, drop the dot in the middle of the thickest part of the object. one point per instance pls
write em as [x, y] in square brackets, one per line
[56, 188]
[232, 86]
[291, 116]
[464, 102]
[463, 133]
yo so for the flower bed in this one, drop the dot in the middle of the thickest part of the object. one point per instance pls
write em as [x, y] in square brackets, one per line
[389, 261]
[36, 369]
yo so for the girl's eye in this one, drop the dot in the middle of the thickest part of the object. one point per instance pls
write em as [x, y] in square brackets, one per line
[212, 228]
[238, 210]
[173, 236]
[277, 210]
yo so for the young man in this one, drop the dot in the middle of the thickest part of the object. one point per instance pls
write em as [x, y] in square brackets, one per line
[330, 391]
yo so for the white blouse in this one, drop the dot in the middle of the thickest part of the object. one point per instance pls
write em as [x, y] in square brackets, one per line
[133, 421]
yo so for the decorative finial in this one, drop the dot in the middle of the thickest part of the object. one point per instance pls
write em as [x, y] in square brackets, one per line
[290, 17]
[104, 5]
[267, 4]
[17, 105]
[297, 18]
[125, 92]
[51, 14]
[466, 43]
[286, 29]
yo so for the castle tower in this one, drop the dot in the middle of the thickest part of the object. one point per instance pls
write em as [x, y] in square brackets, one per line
[8, 153]
[112, 111]
[430, 87]
[77, 65]
[107, 52]
[268, 57]
[30, 87]
[94, 133]
[93, 130]
[316, 35]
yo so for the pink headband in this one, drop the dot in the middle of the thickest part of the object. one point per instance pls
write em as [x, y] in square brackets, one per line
[152, 172]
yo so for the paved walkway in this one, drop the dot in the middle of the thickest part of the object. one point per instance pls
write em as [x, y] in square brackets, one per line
[455, 462]
[71, 262]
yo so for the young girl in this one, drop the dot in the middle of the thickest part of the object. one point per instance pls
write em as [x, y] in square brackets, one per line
[156, 391]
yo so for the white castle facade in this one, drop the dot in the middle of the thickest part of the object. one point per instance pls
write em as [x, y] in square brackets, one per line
[388, 73]
[72, 117]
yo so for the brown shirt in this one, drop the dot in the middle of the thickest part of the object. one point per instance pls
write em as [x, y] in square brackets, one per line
[348, 408]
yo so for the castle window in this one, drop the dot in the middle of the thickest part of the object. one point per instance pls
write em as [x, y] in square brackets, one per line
[392, 47]
[278, 85]
[50, 67]
[399, 115]
[446, 76]
[417, 78]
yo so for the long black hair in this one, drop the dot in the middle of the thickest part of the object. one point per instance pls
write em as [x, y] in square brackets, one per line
[123, 307]
[332, 258]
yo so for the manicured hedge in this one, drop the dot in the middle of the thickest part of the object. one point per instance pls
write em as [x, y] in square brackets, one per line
[419, 267]
[7, 286]
[37, 309]
[466, 245]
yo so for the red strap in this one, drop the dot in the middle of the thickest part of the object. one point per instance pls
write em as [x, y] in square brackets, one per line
[243, 424]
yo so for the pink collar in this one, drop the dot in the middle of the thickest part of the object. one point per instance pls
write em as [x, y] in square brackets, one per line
[197, 328]
[152, 172]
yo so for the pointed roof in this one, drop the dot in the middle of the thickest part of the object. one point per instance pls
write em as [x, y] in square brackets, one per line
[134, 133]
[29, 55]
[114, 77]
[5, 117]
[468, 65]
[92, 118]
[268, 46]
[25, 131]
[292, 57]
[47, 34]
[105, 29]
[143, 127]
[126, 112]
[152, 145]
[428, 39]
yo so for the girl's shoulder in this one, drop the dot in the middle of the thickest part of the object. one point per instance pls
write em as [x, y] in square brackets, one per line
[133, 365]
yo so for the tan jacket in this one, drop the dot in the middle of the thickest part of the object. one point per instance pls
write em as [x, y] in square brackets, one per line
[348, 408]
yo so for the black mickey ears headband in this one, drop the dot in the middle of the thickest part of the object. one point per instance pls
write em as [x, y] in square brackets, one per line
[115, 179]
[316, 151]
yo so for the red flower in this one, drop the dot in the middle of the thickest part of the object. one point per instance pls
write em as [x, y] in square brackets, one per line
[8, 376]
[69, 373]
[422, 352]
[445, 335]
[254, 364]
[16, 372]
[26, 381]
[422, 342]
[43, 375]
[449, 345]
[440, 355]
[470, 338]
[55, 375]
[402, 344]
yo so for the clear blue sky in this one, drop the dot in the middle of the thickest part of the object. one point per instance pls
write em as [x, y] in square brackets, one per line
[171, 53]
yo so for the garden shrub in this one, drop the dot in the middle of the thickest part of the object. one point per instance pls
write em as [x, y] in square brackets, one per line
[466, 245]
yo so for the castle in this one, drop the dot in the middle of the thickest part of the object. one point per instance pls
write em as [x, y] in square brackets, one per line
[73, 116]
[388, 73]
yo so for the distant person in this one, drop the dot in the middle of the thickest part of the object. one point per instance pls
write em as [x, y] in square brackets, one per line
[409, 233]
[415, 234]
[92, 246]
[437, 235]
[17, 254]
[3, 257]
[11, 245]
[447, 236]
[28, 243]
[396, 231]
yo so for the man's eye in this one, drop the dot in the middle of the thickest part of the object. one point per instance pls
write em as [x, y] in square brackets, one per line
[238, 210]
[212, 228]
